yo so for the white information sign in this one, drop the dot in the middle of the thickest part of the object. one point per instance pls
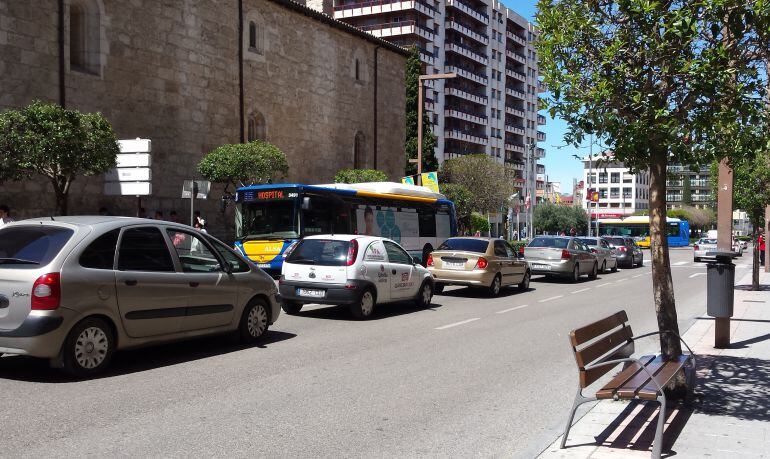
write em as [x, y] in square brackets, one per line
[202, 187]
[135, 146]
[129, 174]
[128, 188]
[134, 160]
[133, 175]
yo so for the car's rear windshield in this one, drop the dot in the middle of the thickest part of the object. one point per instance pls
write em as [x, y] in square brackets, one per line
[31, 246]
[465, 245]
[616, 240]
[708, 241]
[320, 252]
[589, 241]
[555, 242]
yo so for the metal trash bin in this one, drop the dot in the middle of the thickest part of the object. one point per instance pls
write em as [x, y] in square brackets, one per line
[720, 282]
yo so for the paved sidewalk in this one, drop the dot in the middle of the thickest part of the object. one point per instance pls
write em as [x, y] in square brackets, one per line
[731, 413]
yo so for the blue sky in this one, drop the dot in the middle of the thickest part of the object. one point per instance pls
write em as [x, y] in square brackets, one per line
[559, 163]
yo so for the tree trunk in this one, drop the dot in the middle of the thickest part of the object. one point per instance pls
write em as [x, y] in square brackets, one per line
[61, 198]
[754, 259]
[662, 284]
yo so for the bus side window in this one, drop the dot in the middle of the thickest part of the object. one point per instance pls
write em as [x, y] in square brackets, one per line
[427, 222]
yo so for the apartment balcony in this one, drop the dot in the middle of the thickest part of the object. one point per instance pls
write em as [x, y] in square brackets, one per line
[515, 147]
[540, 136]
[395, 29]
[516, 75]
[457, 134]
[515, 38]
[467, 9]
[430, 106]
[467, 52]
[520, 58]
[514, 129]
[360, 9]
[450, 91]
[515, 164]
[427, 57]
[479, 37]
[540, 153]
[467, 74]
[542, 87]
[514, 111]
[541, 120]
[464, 115]
[515, 94]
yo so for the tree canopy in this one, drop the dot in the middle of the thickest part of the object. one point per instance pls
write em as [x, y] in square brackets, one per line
[429, 140]
[243, 164]
[489, 182]
[463, 201]
[360, 176]
[554, 218]
[56, 143]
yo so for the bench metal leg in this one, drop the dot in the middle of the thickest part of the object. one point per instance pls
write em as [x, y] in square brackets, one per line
[579, 400]
[657, 446]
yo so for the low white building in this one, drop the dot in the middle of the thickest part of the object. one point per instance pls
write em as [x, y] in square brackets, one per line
[621, 192]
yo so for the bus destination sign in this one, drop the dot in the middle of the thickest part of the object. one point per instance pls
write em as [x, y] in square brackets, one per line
[269, 195]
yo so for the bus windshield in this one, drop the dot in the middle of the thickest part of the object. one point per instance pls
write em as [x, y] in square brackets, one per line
[269, 220]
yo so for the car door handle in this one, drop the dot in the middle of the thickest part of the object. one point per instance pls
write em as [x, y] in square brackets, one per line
[131, 282]
[394, 271]
[194, 284]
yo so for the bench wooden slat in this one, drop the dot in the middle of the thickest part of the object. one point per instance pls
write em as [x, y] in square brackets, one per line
[650, 391]
[588, 377]
[608, 391]
[588, 332]
[641, 379]
[595, 350]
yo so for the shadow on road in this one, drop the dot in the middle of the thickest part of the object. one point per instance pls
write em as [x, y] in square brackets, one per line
[470, 292]
[747, 287]
[20, 368]
[381, 311]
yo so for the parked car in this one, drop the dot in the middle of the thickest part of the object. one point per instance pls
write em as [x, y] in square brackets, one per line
[627, 253]
[604, 253]
[561, 256]
[477, 262]
[701, 247]
[357, 271]
[76, 289]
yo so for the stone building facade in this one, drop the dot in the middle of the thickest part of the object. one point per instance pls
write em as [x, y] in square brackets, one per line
[194, 74]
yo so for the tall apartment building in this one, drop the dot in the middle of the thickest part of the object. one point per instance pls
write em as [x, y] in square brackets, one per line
[699, 191]
[491, 106]
[621, 192]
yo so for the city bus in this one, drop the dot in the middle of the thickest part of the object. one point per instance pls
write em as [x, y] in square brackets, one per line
[270, 218]
[638, 227]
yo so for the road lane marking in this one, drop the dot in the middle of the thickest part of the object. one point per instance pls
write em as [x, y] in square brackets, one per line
[581, 290]
[697, 274]
[549, 299]
[621, 279]
[604, 285]
[512, 309]
[638, 275]
[680, 263]
[457, 323]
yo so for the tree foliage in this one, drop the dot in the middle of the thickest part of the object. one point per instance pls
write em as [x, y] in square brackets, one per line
[429, 140]
[553, 219]
[479, 223]
[490, 183]
[463, 201]
[58, 144]
[655, 81]
[359, 176]
[243, 164]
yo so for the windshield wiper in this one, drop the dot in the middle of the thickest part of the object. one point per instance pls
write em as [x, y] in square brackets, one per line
[18, 261]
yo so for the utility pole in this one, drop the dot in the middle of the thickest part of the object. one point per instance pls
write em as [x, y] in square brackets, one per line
[420, 80]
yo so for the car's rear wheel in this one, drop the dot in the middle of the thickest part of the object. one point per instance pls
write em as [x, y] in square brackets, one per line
[524, 284]
[615, 267]
[641, 261]
[576, 274]
[88, 349]
[604, 266]
[424, 296]
[494, 289]
[254, 321]
[364, 308]
[696, 259]
[438, 289]
[291, 307]
[594, 272]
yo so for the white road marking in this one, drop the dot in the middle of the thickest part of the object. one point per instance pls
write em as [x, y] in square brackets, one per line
[512, 309]
[621, 279]
[604, 285]
[647, 261]
[638, 275]
[680, 263]
[458, 323]
[697, 274]
[581, 290]
[551, 298]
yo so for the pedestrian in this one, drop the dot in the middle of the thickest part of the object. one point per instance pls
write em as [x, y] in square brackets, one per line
[141, 213]
[158, 215]
[761, 242]
[5, 215]
[572, 231]
[174, 216]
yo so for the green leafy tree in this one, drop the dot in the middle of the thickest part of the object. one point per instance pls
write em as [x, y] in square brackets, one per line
[360, 176]
[55, 143]
[463, 201]
[553, 218]
[686, 190]
[429, 140]
[490, 183]
[479, 223]
[243, 164]
[657, 82]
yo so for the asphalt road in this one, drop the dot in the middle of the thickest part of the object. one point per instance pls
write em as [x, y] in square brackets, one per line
[471, 376]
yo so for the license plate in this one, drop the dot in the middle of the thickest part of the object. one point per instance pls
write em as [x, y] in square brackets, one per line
[545, 267]
[450, 265]
[263, 265]
[311, 292]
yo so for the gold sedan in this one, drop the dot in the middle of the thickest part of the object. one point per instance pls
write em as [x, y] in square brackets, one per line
[478, 262]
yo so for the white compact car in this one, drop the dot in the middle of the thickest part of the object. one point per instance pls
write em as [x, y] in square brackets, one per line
[358, 271]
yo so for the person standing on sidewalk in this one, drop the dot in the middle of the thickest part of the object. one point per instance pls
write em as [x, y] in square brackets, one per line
[761, 242]
[5, 215]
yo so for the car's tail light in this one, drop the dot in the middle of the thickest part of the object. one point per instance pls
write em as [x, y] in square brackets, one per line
[280, 280]
[565, 255]
[482, 263]
[622, 248]
[290, 249]
[593, 250]
[46, 292]
[695, 247]
[521, 250]
[352, 253]
[429, 262]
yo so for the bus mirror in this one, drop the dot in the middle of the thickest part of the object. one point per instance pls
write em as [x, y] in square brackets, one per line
[306, 203]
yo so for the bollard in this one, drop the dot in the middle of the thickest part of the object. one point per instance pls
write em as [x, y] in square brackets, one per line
[720, 282]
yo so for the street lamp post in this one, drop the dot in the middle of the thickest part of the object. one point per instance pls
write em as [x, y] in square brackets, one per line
[438, 76]
[532, 189]
[588, 188]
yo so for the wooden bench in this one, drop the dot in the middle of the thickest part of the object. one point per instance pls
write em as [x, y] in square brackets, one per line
[603, 345]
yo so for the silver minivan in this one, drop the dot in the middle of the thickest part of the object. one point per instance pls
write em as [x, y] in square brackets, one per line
[75, 289]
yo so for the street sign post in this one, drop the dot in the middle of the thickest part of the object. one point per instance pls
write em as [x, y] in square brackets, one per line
[199, 189]
[132, 176]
